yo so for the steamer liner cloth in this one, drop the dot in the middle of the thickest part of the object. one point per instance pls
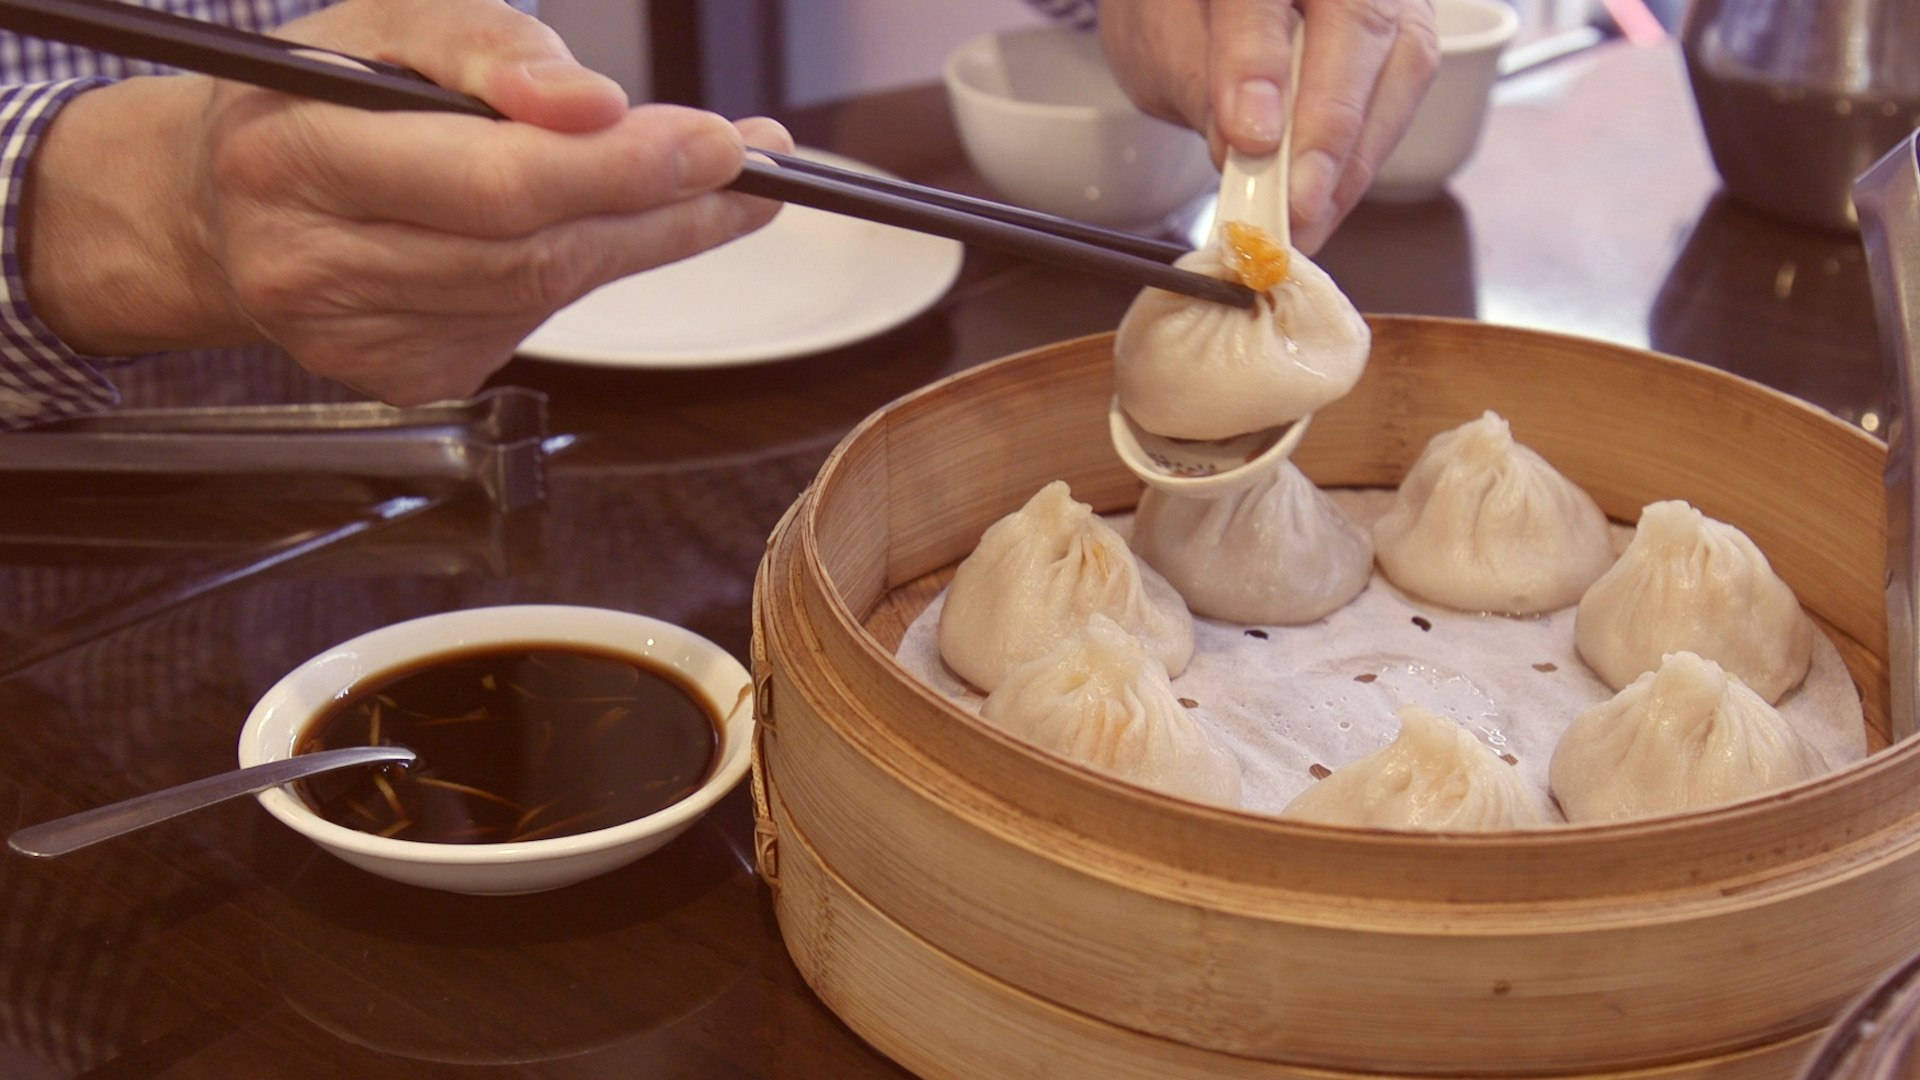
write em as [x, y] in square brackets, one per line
[1324, 693]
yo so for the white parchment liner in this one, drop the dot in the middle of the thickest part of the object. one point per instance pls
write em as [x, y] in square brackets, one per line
[1287, 698]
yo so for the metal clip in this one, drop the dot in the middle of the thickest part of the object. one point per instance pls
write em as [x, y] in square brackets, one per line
[766, 838]
[497, 441]
[1887, 197]
[763, 700]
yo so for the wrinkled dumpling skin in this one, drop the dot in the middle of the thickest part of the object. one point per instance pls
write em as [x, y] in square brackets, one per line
[1686, 736]
[1278, 551]
[1035, 577]
[1434, 776]
[1192, 369]
[1483, 523]
[1101, 700]
[1690, 583]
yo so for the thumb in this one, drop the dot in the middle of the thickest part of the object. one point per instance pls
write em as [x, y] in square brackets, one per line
[512, 61]
[1250, 46]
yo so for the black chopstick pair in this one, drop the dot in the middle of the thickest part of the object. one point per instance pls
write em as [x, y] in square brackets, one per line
[228, 53]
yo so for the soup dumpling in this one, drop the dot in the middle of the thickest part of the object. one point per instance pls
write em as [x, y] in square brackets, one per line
[1686, 736]
[1188, 368]
[1435, 775]
[1099, 698]
[1034, 578]
[1690, 583]
[1483, 523]
[1278, 551]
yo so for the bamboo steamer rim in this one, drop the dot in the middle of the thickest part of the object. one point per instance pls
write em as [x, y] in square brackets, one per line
[865, 937]
[1874, 1037]
[1832, 795]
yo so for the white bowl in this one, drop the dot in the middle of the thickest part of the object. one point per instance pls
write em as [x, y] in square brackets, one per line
[1043, 120]
[1445, 128]
[277, 722]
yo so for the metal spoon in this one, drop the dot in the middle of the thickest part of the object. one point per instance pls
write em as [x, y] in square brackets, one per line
[75, 831]
[1253, 190]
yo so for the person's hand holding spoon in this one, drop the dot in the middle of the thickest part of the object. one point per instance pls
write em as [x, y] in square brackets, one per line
[1209, 400]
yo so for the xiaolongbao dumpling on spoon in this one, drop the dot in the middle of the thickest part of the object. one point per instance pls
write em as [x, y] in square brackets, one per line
[1435, 775]
[1483, 523]
[1278, 552]
[1690, 583]
[1099, 698]
[1034, 578]
[1686, 736]
[1187, 368]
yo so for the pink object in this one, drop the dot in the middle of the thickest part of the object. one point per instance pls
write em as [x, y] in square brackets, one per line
[1636, 23]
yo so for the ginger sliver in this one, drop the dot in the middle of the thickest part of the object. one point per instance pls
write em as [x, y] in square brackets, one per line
[1254, 255]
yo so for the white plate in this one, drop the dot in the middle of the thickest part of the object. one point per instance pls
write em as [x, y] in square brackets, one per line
[806, 282]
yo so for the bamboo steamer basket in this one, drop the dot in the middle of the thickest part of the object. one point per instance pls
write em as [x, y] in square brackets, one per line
[975, 907]
[1878, 1036]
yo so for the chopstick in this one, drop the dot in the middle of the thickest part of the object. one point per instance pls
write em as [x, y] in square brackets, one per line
[1144, 246]
[163, 38]
[842, 197]
[228, 53]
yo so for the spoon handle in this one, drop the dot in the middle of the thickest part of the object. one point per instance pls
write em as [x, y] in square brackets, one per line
[75, 831]
[1254, 189]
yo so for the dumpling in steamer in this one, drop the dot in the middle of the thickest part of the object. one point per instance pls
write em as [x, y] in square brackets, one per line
[1193, 369]
[1690, 583]
[1686, 736]
[1101, 700]
[1034, 578]
[1278, 551]
[1435, 775]
[1482, 523]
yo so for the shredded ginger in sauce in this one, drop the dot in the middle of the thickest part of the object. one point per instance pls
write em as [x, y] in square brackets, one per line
[1254, 255]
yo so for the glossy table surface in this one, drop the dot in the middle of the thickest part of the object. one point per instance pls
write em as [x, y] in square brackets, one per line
[223, 945]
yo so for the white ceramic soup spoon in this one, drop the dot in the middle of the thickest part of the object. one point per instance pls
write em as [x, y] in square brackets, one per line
[1252, 190]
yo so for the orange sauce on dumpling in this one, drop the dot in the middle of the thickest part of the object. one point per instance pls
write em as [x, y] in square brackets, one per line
[1255, 256]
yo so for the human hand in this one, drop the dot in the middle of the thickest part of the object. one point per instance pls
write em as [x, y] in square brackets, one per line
[1223, 67]
[405, 254]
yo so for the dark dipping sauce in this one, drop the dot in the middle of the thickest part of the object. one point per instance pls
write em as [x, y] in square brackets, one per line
[513, 743]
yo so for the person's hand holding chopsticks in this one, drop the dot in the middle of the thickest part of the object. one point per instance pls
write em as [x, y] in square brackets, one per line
[1222, 67]
[403, 253]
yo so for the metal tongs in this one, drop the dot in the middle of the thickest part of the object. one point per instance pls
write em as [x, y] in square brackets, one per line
[1887, 197]
[492, 442]
[493, 446]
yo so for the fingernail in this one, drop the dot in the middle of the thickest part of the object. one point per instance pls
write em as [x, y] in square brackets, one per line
[1259, 111]
[707, 158]
[1310, 195]
[764, 133]
[554, 72]
[552, 69]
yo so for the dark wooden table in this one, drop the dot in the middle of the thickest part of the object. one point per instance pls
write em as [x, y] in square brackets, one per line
[223, 945]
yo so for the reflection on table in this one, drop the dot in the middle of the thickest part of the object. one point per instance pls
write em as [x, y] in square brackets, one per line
[223, 945]
[1779, 303]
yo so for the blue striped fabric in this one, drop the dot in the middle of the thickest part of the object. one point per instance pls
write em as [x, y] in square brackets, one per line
[42, 379]
[1079, 14]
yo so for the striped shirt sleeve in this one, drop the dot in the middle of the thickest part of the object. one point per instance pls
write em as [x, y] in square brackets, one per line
[41, 379]
[1079, 14]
